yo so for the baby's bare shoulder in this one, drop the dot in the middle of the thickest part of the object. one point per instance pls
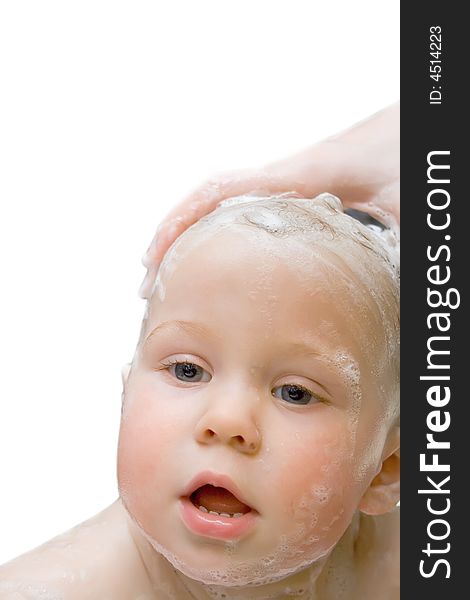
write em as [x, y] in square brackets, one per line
[96, 559]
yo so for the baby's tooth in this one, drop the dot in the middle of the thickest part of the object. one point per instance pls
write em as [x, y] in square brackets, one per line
[214, 512]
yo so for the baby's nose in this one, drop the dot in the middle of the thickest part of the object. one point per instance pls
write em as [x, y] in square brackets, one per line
[237, 429]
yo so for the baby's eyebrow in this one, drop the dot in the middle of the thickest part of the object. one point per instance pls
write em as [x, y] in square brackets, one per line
[188, 327]
[305, 349]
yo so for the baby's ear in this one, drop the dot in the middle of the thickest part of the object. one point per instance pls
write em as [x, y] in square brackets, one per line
[383, 492]
[125, 373]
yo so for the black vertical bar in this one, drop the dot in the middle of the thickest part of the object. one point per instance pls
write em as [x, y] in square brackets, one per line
[433, 120]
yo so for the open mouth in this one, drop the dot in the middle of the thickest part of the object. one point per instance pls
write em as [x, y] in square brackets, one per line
[212, 506]
[218, 501]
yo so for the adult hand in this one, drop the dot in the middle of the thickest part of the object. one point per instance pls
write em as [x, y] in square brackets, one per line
[360, 165]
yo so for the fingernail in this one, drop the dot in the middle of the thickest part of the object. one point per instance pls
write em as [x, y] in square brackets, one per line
[145, 260]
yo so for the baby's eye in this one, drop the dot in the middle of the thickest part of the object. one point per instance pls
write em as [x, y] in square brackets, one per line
[295, 394]
[186, 371]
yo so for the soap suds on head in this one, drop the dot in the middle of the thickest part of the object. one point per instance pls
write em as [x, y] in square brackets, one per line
[282, 215]
[285, 215]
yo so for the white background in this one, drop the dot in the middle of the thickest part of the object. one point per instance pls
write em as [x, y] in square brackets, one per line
[109, 113]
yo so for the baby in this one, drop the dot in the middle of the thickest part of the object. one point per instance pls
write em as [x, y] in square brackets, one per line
[259, 444]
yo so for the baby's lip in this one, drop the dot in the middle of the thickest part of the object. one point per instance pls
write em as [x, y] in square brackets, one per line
[217, 480]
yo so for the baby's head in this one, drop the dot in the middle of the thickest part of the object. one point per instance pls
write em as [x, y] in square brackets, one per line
[264, 385]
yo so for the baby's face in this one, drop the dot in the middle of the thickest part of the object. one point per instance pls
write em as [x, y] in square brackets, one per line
[261, 377]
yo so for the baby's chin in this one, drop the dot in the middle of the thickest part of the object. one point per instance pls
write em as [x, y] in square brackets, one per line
[225, 565]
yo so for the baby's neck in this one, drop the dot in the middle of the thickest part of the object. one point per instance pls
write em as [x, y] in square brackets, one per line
[304, 585]
[313, 583]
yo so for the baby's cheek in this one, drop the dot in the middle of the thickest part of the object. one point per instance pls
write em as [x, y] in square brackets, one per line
[145, 453]
[317, 490]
